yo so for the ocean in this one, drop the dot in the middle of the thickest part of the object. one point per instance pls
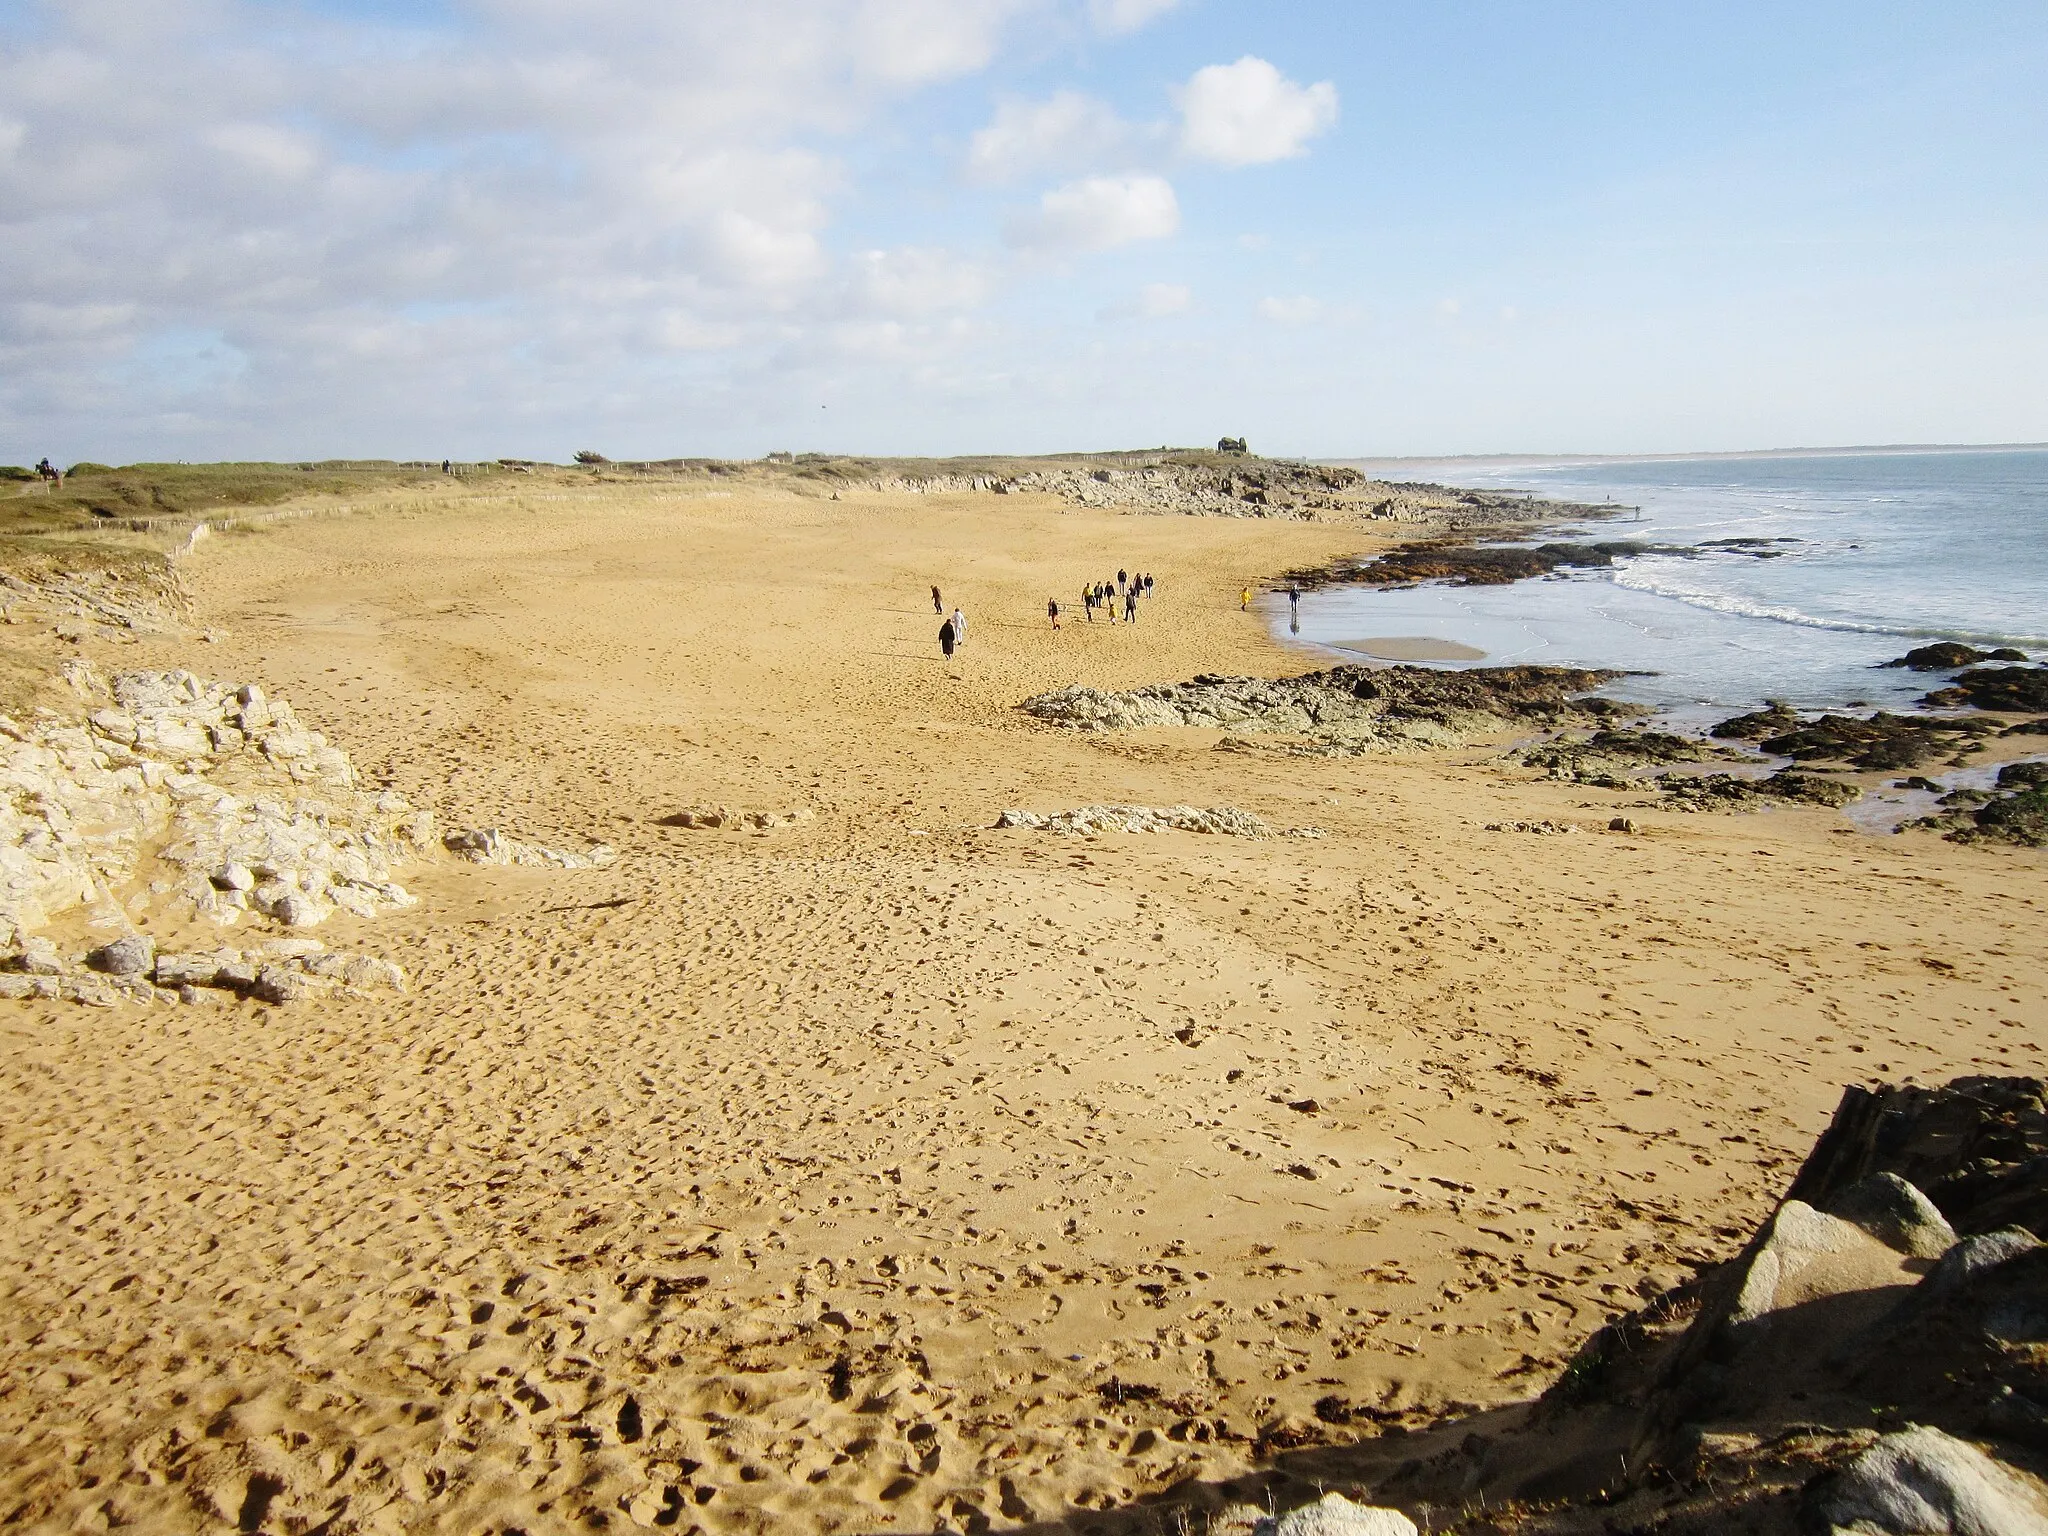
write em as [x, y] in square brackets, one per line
[1871, 554]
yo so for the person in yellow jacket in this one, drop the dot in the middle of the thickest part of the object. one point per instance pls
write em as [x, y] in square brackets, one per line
[1244, 600]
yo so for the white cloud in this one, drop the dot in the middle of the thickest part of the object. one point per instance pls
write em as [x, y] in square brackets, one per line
[407, 224]
[1098, 213]
[1154, 301]
[1299, 310]
[915, 280]
[1066, 131]
[1157, 299]
[1248, 113]
[1119, 16]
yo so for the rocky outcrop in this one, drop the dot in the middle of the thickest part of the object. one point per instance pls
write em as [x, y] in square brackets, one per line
[488, 845]
[1094, 820]
[1874, 1361]
[713, 817]
[1880, 743]
[2014, 812]
[2009, 689]
[1921, 1480]
[214, 799]
[282, 971]
[1731, 792]
[1369, 707]
[1947, 655]
[1606, 758]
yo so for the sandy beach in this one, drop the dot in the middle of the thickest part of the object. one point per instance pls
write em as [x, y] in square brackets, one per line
[883, 1170]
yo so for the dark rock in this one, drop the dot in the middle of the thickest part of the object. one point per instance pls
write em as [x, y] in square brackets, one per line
[1883, 741]
[2019, 818]
[1947, 655]
[1773, 721]
[1971, 1147]
[1728, 792]
[1603, 756]
[2011, 689]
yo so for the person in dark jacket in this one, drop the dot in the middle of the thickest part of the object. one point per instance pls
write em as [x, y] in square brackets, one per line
[946, 638]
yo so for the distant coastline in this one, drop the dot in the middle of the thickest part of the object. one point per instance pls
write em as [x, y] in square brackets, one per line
[1481, 459]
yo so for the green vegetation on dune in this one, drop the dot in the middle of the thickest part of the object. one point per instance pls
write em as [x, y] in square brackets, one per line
[98, 492]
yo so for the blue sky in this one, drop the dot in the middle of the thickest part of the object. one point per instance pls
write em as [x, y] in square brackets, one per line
[484, 227]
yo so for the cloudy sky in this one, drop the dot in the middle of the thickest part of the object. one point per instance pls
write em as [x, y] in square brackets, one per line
[298, 228]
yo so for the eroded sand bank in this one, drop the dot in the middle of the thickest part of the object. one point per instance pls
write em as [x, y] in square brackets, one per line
[882, 1170]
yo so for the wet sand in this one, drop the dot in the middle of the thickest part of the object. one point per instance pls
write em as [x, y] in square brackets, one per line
[886, 1171]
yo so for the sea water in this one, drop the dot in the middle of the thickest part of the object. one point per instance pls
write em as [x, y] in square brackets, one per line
[1873, 554]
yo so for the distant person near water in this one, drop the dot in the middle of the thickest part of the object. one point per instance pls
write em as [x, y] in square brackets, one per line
[1244, 601]
[947, 639]
[1052, 611]
[938, 603]
[959, 627]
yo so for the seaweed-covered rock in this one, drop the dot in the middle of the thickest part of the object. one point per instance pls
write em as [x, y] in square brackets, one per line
[1946, 655]
[1774, 720]
[1882, 742]
[1602, 758]
[1730, 792]
[2011, 689]
[2018, 816]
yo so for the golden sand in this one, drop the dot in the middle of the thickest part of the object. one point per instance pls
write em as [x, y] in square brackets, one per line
[885, 1171]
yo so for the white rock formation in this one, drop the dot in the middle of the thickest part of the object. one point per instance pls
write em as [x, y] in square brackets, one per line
[1094, 820]
[1336, 1515]
[205, 793]
[1807, 1255]
[488, 845]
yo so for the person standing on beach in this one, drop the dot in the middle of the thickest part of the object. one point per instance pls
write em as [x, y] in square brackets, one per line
[1294, 604]
[1131, 606]
[1244, 601]
[1088, 602]
[959, 627]
[1052, 611]
[946, 639]
[938, 604]
[1122, 580]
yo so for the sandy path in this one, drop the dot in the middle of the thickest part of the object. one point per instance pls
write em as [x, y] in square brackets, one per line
[845, 1177]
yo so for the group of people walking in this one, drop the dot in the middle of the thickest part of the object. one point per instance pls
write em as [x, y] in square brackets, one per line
[1125, 590]
[953, 632]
